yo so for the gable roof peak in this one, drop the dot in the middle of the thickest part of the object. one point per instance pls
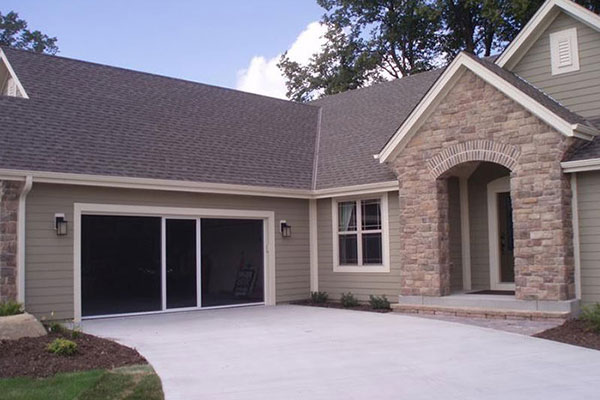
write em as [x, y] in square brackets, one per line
[541, 20]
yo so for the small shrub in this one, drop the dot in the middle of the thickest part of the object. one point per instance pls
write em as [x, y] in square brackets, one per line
[348, 300]
[55, 327]
[591, 315]
[379, 303]
[75, 333]
[10, 308]
[319, 297]
[62, 347]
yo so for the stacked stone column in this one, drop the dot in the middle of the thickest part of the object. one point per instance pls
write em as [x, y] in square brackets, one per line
[9, 211]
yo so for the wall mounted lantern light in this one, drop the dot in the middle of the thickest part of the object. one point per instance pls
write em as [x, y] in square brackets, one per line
[286, 230]
[60, 224]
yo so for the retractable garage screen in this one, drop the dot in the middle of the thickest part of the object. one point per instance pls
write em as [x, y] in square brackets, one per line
[136, 264]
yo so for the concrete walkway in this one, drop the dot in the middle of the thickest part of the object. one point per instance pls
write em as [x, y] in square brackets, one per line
[295, 352]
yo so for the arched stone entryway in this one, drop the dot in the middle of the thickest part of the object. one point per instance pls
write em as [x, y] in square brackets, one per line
[477, 123]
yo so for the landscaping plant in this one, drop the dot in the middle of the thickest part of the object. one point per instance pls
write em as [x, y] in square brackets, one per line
[62, 347]
[591, 315]
[55, 327]
[319, 297]
[10, 308]
[379, 303]
[348, 300]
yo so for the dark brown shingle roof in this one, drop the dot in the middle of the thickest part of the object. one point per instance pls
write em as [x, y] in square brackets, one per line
[356, 125]
[93, 119]
[88, 118]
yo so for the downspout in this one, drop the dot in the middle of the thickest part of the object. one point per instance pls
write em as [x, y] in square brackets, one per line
[21, 240]
[312, 216]
[575, 226]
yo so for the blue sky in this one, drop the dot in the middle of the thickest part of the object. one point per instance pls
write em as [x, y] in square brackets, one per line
[206, 41]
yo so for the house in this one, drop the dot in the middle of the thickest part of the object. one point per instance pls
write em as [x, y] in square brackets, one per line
[126, 192]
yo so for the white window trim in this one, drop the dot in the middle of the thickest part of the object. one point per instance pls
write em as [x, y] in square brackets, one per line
[80, 209]
[555, 37]
[385, 248]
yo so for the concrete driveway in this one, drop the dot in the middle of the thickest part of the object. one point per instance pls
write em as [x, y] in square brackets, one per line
[295, 352]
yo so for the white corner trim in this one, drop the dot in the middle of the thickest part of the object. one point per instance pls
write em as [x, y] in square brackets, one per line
[449, 78]
[592, 164]
[21, 239]
[465, 232]
[496, 186]
[385, 237]
[538, 24]
[12, 74]
[80, 209]
[314, 245]
[576, 242]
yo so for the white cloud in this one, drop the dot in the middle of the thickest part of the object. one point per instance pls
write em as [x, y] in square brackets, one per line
[264, 77]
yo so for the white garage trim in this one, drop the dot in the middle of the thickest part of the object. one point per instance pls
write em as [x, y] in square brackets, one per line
[268, 218]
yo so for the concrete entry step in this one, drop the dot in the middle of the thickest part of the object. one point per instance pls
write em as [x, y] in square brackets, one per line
[480, 312]
[487, 306]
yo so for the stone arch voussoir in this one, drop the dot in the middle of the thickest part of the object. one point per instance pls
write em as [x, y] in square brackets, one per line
[474, 150]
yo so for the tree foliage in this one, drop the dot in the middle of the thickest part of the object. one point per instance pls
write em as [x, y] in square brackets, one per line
[14, 33]
[373, 40]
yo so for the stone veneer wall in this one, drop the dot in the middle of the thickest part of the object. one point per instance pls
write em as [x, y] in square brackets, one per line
[9, 210]
[477, 122]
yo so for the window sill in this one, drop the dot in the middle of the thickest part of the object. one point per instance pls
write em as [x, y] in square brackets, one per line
[362, 269]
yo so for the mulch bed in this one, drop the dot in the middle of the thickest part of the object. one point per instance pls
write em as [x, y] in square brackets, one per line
[28, 356]
[573, 332]
[360, 307]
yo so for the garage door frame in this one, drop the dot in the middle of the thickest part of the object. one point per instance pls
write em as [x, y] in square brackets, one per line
[268, 218]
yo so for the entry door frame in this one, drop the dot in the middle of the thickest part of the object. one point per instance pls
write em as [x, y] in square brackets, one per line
[496, 186]
[268, 218]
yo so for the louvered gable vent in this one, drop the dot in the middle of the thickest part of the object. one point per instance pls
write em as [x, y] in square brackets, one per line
[564, 51]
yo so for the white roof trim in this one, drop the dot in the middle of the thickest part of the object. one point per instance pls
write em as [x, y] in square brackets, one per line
[592, 164]
[193, 187]
[538, 24]
[448, 79]
[11, 71]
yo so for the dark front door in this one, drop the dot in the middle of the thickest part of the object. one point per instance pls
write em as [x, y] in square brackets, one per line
[505, 227]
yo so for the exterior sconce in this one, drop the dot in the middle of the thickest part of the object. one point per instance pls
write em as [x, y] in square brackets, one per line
[60, 224]
[286, 230]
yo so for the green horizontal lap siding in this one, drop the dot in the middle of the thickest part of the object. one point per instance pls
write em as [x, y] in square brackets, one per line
[588, 192]
[49, 258]
[360, 284]
[579, 90]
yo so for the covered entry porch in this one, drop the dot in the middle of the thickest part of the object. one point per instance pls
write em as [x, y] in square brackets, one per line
[479, 237]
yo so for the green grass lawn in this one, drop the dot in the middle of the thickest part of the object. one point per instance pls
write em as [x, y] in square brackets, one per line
[127, 383]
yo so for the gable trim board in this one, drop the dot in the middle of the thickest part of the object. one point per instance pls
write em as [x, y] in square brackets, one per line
[446, 82]
[11, 73]
[538, 24]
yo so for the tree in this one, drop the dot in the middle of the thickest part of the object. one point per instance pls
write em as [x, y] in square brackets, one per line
[367, 41]
[373, 40]
[14, 33]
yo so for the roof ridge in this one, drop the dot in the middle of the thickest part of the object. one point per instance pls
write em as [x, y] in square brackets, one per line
[4, 48]
[376, 84]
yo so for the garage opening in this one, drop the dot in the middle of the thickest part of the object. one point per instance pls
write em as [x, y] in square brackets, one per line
[232, 262]
[120, 264]
[134, 264]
